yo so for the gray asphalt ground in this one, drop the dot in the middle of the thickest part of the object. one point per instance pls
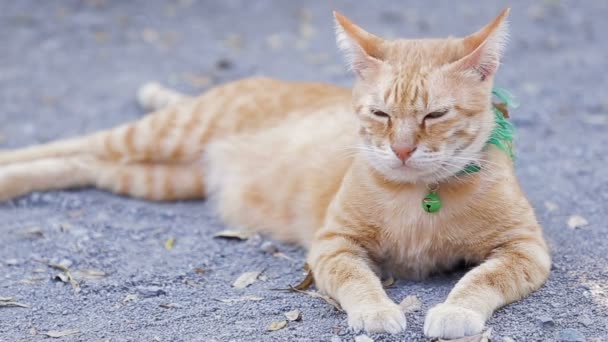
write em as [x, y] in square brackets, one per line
[72, 67]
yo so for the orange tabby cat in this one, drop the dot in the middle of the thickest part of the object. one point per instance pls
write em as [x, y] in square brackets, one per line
[342, 173]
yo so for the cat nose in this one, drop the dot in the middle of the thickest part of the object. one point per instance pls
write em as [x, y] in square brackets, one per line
[403, 152]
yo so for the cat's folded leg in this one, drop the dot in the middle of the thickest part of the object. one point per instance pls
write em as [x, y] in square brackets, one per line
[512, 271]
[160, 182]
[343, 270]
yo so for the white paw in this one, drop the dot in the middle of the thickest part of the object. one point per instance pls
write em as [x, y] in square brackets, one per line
[378, 318]
[452, 321]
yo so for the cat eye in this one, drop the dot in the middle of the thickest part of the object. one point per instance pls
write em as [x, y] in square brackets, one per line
[436, 115]
[380, 114]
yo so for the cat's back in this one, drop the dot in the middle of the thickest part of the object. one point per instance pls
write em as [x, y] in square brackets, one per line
[280, 179]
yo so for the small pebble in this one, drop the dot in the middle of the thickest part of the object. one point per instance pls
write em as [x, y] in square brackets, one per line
[545, 321]
[150, 291]
[585, 320]
[507, 339]
[65, 263]
[571, 335]
[11, 262]
[363, 338]
[224, 64]
[269, 247]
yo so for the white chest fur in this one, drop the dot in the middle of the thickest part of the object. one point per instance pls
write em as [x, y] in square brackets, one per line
[414, 242]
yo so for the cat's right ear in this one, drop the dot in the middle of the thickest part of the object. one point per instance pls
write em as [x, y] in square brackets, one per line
[361, 48]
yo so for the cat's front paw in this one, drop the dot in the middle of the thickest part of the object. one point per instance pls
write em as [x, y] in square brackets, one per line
[378, 318]
[452, 321]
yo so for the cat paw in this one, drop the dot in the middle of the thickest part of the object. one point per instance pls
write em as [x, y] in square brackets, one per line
[378, 319]
[452, 321]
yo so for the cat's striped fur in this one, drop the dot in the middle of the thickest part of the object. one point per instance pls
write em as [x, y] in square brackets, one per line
[312, 164]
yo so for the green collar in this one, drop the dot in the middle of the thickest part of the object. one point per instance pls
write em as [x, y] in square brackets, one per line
[503, 132]
[501, 137]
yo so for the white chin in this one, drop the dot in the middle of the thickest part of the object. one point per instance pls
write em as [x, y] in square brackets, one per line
[401, 173]
[409, 174]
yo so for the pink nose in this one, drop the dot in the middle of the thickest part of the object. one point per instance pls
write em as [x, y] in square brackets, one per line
[403, 152]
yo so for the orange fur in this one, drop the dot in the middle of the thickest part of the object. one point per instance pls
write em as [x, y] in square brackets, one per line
[313, 164]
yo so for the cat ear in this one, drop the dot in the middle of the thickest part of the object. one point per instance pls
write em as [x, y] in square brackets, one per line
[484, 48]
[361, 48]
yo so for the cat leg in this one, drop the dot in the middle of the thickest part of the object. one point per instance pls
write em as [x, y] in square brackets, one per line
[343, 270]
[44, 174]
[161, 182]
[513, 271]
[152, 96]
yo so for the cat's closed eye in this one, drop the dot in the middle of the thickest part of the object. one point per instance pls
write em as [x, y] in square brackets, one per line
[436, 114]
[380, 113]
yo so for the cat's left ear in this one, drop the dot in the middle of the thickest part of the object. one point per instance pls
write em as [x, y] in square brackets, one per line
[361, 48]
[485, 47]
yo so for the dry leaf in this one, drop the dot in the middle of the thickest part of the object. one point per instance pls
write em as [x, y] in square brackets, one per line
[363, 338]
[57, 334]
[314, 294]
[32, 280]
[62, 277]
[66, 276]
[240, 299]
[274, 326]
[305, 284]
[388, 282]
[170, 243]
[410, 304]
[551, 207]
[130, 298]
[233, 234]
[577, 221]
[34, 232]
[199, 270]
[282, 255]
[293, 315]
[57, 266]
[483, 337]
[191, 283]
[89, 274]
[246, 279]
[8, 302]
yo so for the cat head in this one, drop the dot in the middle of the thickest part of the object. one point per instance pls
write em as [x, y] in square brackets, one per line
[425, 105]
